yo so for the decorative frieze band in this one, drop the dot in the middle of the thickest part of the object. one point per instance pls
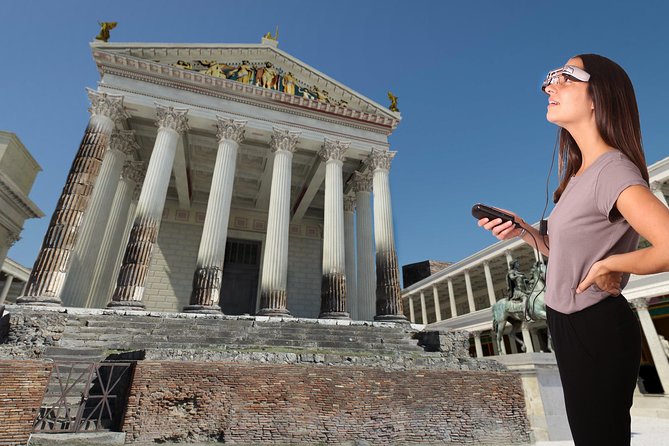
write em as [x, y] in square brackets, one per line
[172, 118]
[230, 129]
[333, 150]
[283, 140]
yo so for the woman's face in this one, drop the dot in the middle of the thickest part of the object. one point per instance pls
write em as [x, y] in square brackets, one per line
[569, 103]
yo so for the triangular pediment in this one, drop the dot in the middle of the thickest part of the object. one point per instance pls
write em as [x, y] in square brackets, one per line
[246, 67]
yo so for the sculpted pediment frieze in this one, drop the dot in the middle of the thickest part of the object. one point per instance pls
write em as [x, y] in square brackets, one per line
[242, 66]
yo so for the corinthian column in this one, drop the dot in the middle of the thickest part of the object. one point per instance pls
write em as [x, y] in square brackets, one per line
[275, 259]
[85, 252]
[333, 283]
[50, 269]
[116, 235]
[366, 292]
[349, 236]
[388, 300]
[144, 233]
[209, 270]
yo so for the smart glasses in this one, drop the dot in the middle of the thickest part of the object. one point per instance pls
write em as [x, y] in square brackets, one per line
[560, 75]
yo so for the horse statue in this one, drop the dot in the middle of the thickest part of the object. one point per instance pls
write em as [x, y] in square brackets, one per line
[530, 307]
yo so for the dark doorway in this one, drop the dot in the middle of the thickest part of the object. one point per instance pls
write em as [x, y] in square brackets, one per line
[240, 277]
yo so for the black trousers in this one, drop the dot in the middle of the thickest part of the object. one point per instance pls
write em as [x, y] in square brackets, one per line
[598, 351]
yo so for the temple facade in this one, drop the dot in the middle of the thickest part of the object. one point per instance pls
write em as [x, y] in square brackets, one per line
[228, 178]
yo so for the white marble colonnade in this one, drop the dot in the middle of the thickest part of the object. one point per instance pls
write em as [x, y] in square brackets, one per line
[172, 122]
[208, 274]
[366, 278]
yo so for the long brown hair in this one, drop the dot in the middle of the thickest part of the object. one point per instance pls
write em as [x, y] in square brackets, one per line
[616, 116]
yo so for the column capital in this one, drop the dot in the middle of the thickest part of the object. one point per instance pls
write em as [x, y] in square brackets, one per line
[283, 140]
[362, 182]
[105, 104]
[232, 129]
[380, 159]
[640, 303]
[656, 186]
[124, 141]
[349, 204]
[172, 118]
[133, 171]
[12, 237]
[333, 150]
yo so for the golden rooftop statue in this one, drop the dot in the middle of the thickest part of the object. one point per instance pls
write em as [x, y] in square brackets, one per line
[393, 102]
[105, 27]
[270, 37]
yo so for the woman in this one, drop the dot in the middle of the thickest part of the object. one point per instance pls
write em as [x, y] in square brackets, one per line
[602, 205]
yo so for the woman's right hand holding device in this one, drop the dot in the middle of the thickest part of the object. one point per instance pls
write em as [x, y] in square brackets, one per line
[501, 227]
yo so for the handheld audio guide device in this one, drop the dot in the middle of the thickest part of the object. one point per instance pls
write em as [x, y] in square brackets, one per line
[480, 211]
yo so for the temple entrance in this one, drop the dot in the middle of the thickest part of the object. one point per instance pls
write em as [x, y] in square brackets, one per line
[240, 277]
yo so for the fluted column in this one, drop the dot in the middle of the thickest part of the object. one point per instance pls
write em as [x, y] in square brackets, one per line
[423, 307]
[489, 283]
[349, 235]
[451, 299]
[654, 344]
[86, 250]
[50, 269]
[366, 292]
[477, 344]
[388, 300]
[116, 235]
[437, 306]
[5, 288]
[333, 282]
[144, 233]
[412, 312]
[275, 260]
[208, 274]
[470, 293]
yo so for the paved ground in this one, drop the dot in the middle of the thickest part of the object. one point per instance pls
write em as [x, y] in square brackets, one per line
[645, 432]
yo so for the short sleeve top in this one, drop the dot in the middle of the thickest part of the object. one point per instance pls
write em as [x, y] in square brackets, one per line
[585, 227]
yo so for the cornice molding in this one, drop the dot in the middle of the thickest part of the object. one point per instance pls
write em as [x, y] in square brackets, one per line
[153, 72]
[16, 196]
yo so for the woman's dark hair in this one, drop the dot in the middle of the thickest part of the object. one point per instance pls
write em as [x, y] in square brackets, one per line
[616, 114]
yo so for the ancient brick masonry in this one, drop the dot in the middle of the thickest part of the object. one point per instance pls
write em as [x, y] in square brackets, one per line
[266, 404]
[22, 385]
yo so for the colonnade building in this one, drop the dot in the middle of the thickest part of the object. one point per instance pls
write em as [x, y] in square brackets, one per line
[224, 178]
[460, 296]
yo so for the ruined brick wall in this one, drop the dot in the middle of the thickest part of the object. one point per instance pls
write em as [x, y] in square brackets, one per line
[22, 386]
[262, 404]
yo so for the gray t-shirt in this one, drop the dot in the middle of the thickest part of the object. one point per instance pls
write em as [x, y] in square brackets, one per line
[586, 227]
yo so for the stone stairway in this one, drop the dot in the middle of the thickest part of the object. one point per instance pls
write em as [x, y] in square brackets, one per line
[112, 332]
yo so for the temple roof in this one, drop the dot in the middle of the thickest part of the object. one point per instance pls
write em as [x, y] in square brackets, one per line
[239, 69]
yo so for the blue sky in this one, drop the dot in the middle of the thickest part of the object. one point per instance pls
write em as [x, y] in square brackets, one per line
[467, 75]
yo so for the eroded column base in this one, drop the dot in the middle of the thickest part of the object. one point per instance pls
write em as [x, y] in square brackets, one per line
[397, 318]
[274, 312]
[203, 309]
[39, 301]
[334, 315]
[126, 305]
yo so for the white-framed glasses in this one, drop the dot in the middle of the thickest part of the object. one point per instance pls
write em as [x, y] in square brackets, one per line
[560, 75]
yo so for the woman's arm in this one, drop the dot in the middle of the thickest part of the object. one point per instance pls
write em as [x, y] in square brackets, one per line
[650, 218]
